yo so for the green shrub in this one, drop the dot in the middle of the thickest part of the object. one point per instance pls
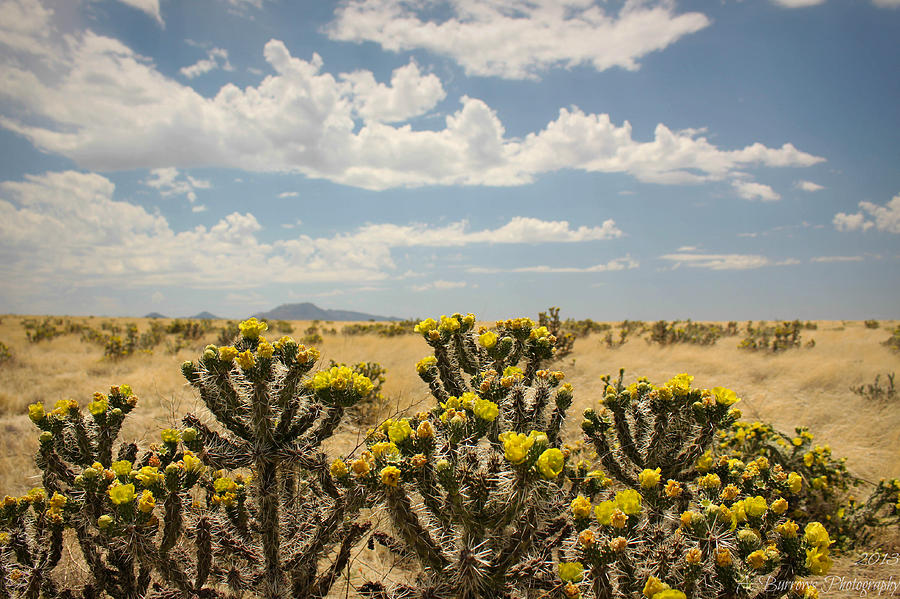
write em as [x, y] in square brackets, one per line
[783, 336]
[872, 324]
[669, 333]
[382, 329]
[5, 354]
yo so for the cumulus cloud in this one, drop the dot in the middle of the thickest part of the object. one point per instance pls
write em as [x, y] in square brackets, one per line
[107, 108]
[883, 218]
[750, 190]
[718, 261]
[66, 229]
[216, 58]
[519, 40]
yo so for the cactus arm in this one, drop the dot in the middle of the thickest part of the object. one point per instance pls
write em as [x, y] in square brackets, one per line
[412, 532]
[328, 578]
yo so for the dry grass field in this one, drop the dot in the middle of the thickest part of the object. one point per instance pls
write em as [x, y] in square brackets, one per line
[806, 386]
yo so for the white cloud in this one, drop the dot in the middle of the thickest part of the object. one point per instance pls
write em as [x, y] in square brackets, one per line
[837, 259]
[518, 40]
[198, 208]
[107, 108]
[410, 94]
[797, 3]
[887, 3]
[750, 190]
[883, 218]
[170, 182]
[439, 285]
[288, 194]
[25, 26]
[625, 263]
[216, 58]
[718, 261]
[808, 186]
[64, 229]
[151, 7]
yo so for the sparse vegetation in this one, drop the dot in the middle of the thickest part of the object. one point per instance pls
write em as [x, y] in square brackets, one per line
[872, 324]
[565, 341]
[382, 329]
[5, 354]
[624, 414]
[780, 337]
[877, 392]
[697, 333]
[893, 341]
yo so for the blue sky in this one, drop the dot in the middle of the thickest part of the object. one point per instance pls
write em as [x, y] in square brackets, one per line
[622, 159]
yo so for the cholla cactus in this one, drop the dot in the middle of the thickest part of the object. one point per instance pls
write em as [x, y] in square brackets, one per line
[830, 493]
[473, 487]
[276, 422]
[250, 508]
[680, 523]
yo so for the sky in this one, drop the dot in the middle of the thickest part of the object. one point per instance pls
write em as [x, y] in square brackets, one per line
[636, 159]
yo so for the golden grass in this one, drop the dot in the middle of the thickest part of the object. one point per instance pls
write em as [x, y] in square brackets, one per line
[808, 387]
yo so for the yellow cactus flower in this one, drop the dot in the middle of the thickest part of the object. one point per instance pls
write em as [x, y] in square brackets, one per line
[725, 397]
[448, 324]
[486, 409]
[36, 412]
[649, 478]
[399, 431]
[755, 506]
[426, 363]
[723, 557]
[673, 489]
[224, 484]
[516, 446]
[246, 360]
[687, 518]
[571, 571]
[653, 586]
[817, 561]
[251, 328]
[120, 494]
[99, 405]
[550, 463]
[670, 594]
[425, 430]
[581, 507]
[788, 529]
[57, 501]
[693, 556]
[488, 340]
[121, 468]
[711, 481]
[816, 535]
[603, 512]
[779, 506]
[390, 476]
[385, 449]
[104, 521]
[360, 467]
[618, 544]
[587, 538]
[618, 518]
[228, 354]
[795, 482]
[192, 464]
[149, 476]
[730, 493]
[680, 384]
[339, 468]
[146, 503]
[265, 349]
[419, 460]
[629, 501]
[705, 462]
[170, 435]
[757, 559]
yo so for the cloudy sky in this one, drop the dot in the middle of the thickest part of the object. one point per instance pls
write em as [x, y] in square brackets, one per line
[621, 159]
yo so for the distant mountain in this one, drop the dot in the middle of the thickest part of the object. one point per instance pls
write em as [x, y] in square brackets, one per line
[155, 315]
[204, 316]
[308, 311]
